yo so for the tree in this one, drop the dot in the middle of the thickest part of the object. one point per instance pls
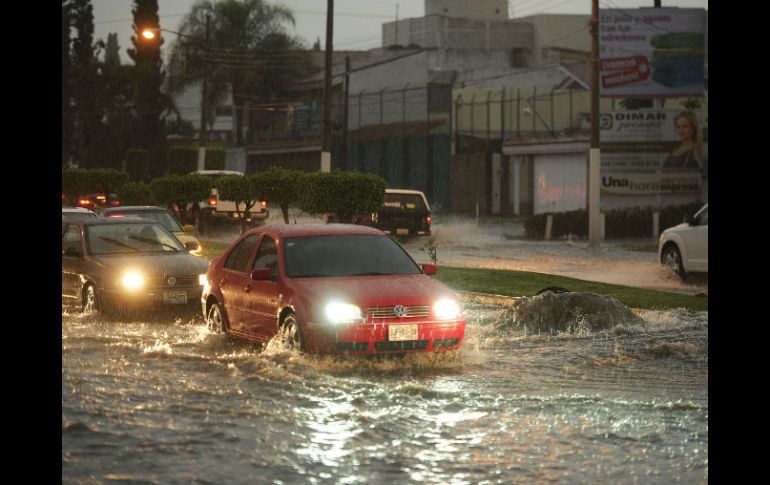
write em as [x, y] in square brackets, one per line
[66, 115]
[343, 194]
[118, 129]
[180, 190]
[248, 53]
[86, 115]
[246, 190]
[112, 51]
[280, 187]
[149, 100]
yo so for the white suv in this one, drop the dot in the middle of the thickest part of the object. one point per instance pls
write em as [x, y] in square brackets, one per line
[685, 248]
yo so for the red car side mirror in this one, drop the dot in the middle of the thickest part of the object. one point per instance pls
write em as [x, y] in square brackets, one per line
[262, 274]
[428, 268]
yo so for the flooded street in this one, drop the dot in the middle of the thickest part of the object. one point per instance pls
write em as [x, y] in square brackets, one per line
[164, 401]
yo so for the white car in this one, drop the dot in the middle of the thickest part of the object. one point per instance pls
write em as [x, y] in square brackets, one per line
[685, 248]
[76, 214]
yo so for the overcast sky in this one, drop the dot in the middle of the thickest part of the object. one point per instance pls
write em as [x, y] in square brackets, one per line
[357, 23]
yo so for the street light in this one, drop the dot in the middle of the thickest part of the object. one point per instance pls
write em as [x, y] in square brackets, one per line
[150, 34]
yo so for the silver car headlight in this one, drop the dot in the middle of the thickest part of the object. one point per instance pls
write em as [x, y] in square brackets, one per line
[343, 312]
[132, 280]
[202, 280]
[447, 309]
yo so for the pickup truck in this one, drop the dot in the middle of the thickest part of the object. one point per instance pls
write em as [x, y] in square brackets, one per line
[215, 212]
[404, 212]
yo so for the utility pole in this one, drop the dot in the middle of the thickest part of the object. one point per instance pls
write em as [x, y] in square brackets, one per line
[204, 95]
[345, 127]
[326, 149]
[594, 229]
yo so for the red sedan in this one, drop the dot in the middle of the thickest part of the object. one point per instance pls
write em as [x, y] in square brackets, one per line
[330, 288]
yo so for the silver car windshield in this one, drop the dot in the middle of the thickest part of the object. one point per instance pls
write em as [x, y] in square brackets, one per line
[163, 217]
[131, 238]
[346, 255]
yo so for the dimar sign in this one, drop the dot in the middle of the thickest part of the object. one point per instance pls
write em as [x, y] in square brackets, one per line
[652, 139]
[632, 183]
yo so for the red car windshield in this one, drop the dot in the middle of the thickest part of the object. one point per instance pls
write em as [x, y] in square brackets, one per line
[346, 255]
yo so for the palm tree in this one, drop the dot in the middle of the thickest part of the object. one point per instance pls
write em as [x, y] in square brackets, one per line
[248, 53]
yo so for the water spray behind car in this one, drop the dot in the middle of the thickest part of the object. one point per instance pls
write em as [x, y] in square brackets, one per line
[431, 248]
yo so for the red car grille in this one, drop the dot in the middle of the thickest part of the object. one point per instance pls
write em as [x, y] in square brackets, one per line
[416, 311]
[405, 345]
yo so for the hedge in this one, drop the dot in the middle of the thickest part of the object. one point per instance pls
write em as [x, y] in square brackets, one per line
[280, 187]
[634, 222]
[179, 190]
[82, 181]
[135, 193]
[341, 193]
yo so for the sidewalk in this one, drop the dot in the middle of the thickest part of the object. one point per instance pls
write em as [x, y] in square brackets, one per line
[501, 245]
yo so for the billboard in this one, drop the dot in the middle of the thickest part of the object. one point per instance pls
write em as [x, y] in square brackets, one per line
[641, 183]
[650, 140]
[652, 52]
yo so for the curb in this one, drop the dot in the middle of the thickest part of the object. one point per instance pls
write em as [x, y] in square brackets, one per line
[488, 299]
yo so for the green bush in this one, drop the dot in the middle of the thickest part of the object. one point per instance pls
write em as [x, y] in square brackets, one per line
[671, 216]
[572, 222]
[279, 186]
[135, 193]
[179, 190]
[245, 191]
[633, 222]
[341, 193]
[137, 164]
[82, 181]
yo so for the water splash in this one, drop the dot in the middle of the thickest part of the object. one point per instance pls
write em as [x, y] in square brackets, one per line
[571, 312]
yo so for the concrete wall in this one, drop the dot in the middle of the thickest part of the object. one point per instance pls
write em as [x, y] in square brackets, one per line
[458, 33]
[479, 9]
[553, 30]
[382, 86]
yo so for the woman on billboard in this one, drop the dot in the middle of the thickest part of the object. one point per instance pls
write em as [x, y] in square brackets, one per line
[690, 153]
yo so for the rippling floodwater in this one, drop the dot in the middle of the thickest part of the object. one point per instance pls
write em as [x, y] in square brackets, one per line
[164, 401]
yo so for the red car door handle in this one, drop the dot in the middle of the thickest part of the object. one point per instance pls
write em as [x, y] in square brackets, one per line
[222, 281]
[247, 288]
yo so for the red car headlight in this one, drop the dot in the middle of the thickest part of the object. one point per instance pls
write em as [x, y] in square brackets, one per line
[343, 312]
[447, 309]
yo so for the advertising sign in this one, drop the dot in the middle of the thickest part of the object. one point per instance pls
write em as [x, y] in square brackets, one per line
[633, 183]
[653, 140]
[652, 52]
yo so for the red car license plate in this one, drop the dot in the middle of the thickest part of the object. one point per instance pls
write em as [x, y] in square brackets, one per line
[402, 332]
[175, 297]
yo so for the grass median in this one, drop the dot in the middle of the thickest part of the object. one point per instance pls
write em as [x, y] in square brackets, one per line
[524, 283]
